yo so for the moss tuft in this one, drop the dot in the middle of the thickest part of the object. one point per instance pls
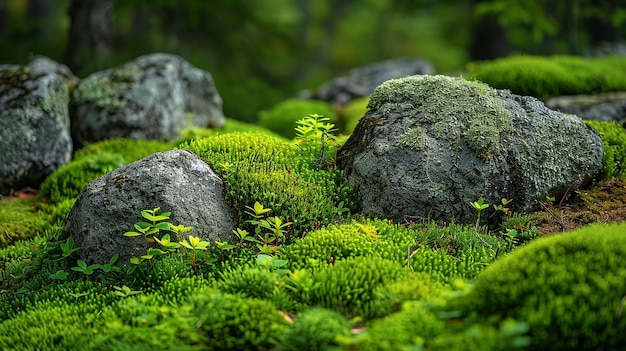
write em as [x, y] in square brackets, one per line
[569, 288]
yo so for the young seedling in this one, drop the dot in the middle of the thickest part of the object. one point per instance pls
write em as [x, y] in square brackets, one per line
[193, 244]
[479, 206]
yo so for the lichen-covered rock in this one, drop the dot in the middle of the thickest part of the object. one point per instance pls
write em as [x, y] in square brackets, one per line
[362, 81]
[431, 144]
[34, 125]
[177, 181]
[152, 97]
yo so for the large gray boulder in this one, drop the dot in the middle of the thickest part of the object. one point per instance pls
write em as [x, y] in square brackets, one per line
[34, 124]
[431, 144]
[152, 97]
[177, 181]
[362, 81]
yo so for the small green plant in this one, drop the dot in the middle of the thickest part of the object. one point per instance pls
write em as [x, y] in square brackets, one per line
[82, 267]
[224, 246]
[125, 291]
[149, 230]
[313, 133]
[341, 209]
[270, 231]
[194, 244]
[67, 248]
[479, 205]
[243, 235]
[503, 207]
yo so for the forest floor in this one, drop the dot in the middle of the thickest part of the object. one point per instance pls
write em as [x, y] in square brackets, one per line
[603, 203]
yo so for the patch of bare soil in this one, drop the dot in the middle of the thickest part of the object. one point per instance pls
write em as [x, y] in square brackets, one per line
[600, 203]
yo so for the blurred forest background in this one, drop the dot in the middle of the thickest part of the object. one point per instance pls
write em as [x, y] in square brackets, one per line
[263, 51]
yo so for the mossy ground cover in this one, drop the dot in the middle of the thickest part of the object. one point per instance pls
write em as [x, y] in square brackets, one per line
[349, 283]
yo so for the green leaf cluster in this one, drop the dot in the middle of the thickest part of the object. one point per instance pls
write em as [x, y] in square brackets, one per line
[282, 118]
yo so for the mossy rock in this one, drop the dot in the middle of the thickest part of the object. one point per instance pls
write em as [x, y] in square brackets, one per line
[543, 77]
[94, 161]
[569, 288]
[282, 118]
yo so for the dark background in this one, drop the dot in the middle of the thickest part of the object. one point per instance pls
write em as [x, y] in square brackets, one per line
[263, 51]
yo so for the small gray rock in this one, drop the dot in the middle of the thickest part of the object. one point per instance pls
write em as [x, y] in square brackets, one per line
[34, 125]
[177, 181]
[429, 145]
[151, 97]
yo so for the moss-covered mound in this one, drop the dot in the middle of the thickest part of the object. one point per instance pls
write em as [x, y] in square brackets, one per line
[542, 77]
[569, 288]
[273, 172]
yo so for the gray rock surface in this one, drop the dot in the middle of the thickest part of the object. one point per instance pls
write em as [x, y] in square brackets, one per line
[602, 107]
[362, 81]
[177, 181]
[429, 145]
[151, 97]
[34, 124]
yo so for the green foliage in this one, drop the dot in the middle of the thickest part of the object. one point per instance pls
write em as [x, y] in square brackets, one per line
[315, 139]
[348, 285]
[552, 76]
[232, 322]
[614, 140]
[282, 117]
[315, 329]
[260, 168]
[567, 287]
[249, 281]
[93, 161]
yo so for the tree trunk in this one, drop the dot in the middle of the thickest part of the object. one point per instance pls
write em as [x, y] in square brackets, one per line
[90, 41]
[489, 40]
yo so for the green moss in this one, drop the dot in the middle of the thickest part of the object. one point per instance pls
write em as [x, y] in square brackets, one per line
[282, 118]
[614, 140]
[272, 171]
[22, 219]
[569, 288]
[347, 286]
[458, 110]
[337, 242]
[315, 329]
[408, 329]
[231, 126]
[231, 322]
[542, 77]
